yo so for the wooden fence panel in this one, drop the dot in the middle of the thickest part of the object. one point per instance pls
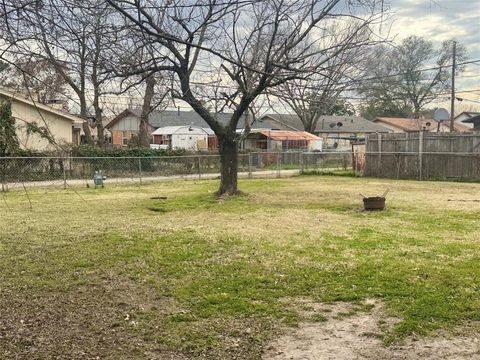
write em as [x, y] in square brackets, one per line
[423, 156]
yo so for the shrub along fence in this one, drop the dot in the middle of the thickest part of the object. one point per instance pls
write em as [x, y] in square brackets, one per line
[423, 155]
[65, 171]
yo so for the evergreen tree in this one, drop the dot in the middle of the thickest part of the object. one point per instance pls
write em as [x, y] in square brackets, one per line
[8, 137]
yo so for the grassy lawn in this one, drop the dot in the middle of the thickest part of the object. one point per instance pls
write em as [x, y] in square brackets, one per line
[115, 274]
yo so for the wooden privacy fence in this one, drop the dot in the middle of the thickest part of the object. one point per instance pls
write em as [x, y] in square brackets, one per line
[423, 155]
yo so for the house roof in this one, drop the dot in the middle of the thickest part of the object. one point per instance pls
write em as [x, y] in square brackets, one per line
[281, 122]
[468, 114]
[286, 135]
[409, 125]
[169, 130]
[472, 120]
[326, 123]
[27, 100]
[163, 118]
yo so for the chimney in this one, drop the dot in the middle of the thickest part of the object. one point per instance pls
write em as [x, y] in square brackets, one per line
[57, 104]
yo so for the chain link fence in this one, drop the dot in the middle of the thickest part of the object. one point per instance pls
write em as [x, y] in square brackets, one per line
[21, 172]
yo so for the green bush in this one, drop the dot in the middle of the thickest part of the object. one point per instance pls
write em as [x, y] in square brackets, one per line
[93, 151]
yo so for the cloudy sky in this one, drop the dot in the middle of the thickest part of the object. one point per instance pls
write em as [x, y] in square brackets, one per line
[439, 20]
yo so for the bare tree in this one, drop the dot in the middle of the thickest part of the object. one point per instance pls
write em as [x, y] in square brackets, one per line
[46, 84]
[253, 45]
[320, 93]
[146, 109]
[74, 39]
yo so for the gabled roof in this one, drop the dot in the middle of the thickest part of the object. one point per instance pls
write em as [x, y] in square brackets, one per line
[281, 122]
[468, 114]
[163, 118]
[472, 120]
[409, 125]
[169, 130]
[326, 123]
[28, 101]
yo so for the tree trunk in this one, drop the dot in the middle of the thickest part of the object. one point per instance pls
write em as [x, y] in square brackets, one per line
[228, 165]
[144, 136]
[87, 132]
[416, 113]
[100, 133]
[99, 123]
[85, 124]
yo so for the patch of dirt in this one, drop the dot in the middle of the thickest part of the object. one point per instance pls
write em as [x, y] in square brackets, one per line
[104, 321]
[345, 331]
[113, 319]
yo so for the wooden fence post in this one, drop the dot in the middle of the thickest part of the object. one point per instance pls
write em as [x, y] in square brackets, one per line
[420, 155]
[379, 155]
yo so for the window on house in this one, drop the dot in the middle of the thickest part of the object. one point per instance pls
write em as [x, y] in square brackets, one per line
[125, 137]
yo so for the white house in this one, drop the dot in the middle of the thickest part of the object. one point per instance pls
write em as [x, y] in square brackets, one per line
[192, 138]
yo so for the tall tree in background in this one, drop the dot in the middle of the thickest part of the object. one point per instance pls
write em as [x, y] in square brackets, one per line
[38, 77]
[74, 39]
[252, 46]
[375, 106]
[8, 137]
[398, 80]
[320, 93]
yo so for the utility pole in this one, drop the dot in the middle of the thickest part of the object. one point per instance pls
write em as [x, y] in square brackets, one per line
[452, 103]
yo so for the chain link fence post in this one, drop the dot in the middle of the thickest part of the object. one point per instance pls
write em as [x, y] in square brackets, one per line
[64, 174]
[278, 164]
[250, 165]
[140, 170]
[199, 168]
[301, 163]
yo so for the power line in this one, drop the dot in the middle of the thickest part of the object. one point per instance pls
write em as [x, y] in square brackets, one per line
[216, 86]
[463, 99]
